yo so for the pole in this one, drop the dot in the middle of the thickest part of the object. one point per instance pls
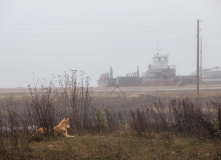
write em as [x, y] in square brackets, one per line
[201, 60]
[198, 58]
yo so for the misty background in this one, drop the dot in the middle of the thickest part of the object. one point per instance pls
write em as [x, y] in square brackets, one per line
[52, 36]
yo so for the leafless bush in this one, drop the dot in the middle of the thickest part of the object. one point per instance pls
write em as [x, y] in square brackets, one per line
[139, 121]
[216, 126]
[40, 105]
[115, 119]
[74, 99]
[153, 118]
[48, 103]
[70, 97]
[189, 117]
[182, 116]
[14, 133]
[2, 147]
[45, 105]
[159, 116]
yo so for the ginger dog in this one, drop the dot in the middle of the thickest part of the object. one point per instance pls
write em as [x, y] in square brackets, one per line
[59, 130]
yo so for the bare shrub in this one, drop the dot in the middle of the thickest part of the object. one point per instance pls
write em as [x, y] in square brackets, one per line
[2, 147]
[115, 119]
[159, 116]
[139, 121]
[153, 118]
[182, 115]
[13, 133]
[40, 106]
[74, 101]
[216, 126]
[112, 119]
[49, 102]
[189, 117]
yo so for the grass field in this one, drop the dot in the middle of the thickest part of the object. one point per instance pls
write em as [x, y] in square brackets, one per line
[126, 146]
[166, 125]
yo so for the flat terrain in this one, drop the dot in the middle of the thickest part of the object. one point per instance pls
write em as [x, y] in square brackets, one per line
[186, 90]
[206, 91]
[122, 142]
[155, 88]
[141, 88]
[125, 146]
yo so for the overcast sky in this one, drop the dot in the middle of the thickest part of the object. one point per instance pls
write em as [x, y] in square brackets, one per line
[52, 36]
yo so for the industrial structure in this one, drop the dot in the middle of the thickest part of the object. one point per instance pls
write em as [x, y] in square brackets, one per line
[158, 73]
[106, 79]
[131, 79]
[161, 73]
[210, 75]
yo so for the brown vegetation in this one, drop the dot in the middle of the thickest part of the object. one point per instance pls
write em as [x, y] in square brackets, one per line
[107, 127]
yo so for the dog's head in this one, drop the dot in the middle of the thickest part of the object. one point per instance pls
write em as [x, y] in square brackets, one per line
[65, 122]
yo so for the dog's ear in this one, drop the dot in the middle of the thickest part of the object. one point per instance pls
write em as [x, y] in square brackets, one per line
[67, 119]
[63, 119]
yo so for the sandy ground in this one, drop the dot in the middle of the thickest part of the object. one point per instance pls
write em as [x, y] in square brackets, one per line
[135, 89]
[158, 88]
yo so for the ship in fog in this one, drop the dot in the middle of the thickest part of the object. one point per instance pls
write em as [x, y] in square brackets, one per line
[106, 79]
[131, 79]
[158, 73]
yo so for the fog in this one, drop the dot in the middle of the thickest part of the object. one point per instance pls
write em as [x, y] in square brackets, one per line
[48, 37]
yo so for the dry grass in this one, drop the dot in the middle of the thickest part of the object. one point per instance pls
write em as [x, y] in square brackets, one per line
[126, 146]
[106, 126]
[206, 91]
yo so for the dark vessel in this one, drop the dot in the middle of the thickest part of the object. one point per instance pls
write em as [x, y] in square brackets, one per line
[106, 79]
[131, 79]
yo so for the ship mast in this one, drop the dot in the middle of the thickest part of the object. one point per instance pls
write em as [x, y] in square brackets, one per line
[157, 48]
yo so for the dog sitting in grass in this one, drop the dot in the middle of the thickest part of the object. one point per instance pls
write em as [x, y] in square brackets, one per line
[59, 130]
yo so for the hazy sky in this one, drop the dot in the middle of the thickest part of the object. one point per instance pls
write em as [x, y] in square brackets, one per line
[52, 36]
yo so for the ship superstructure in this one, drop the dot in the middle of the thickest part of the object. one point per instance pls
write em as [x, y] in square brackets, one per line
[159, 72]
